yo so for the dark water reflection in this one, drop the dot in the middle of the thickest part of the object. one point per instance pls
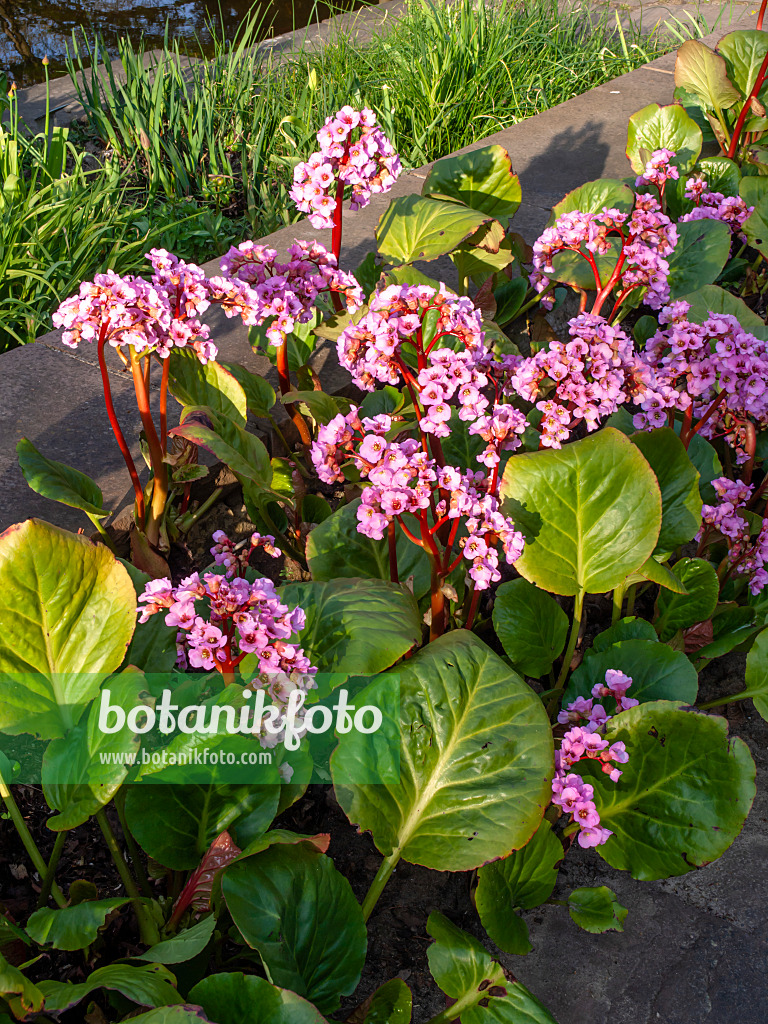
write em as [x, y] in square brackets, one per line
[33, 29]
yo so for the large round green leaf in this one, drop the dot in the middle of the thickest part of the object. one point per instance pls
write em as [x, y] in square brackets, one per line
[356, 626]
[391, 1003]
[60, 482]
[482, 179]
[756, 226]
[292, 905]
[71, 927]
[417, 228]
[669, 127]
[744, 51]
[683, 796]
[713, 299]
[336, 548]
[593, 197]
[177, 824]
[245, 999]
[531, 626]
[701, 252]
[475, 761]
[519, 882]
[68, 610]
[483, 991]
[83, 770]
[149, 985]
[596, 909]
[704, 73]
[591, 513]
[679, 484]
[679, 611]
[210, 385]
[658, 672]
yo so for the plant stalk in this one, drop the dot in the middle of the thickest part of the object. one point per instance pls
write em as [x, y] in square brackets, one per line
[578, 609]
[29, 843]
[147, 928]
[381, 878]
[50, 871]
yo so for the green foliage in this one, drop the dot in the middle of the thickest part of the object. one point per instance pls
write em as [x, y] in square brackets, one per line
[596, 909]
[319, 949]
[71, 927]
[531, 626]
[502, 732]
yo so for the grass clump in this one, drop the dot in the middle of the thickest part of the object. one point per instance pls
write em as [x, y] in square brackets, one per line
[197, 153]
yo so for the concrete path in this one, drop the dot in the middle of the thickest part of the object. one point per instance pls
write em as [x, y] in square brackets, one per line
[694, 949]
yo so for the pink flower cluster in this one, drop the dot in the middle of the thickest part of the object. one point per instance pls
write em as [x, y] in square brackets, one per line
[687, 364]
[659, 170]
[592, 375]
[371, 348]
[368, 163]
[235, 557]
[732, 210]
[155, 315]
[745, 556]
[242, 618]
[258, 288]
[570, 791]
[404, 479]
[646, 238]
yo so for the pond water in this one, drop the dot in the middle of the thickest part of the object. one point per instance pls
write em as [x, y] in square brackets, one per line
[33, 29]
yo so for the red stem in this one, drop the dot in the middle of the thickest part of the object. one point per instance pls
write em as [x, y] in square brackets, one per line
[159, 467]
[746, 108]
[392, 541]
[761, 15]
[119, 437]
[408, 533]
[749, 446]
[284, 376]
[164, 404]
[473, 609]
[707, 414]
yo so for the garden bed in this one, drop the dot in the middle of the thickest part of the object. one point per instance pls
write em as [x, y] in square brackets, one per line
[553, 546]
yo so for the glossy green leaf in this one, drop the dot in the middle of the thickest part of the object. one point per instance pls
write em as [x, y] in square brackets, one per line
[521, 881]
[209, 385]
[259, 393]
[752, 189]
[683, 795]
[678, 611]
[476, 760]
[182, 947]
[171, 1015]
[335, 548]
[317, 404]
[591, 513]
[76, 781]
[68, 610]
[658, 673]
[592, 197]
[678, 481]
[701, 252]
[744, 52]
[235, 998]
[628, 628]
[391, 1003]
[596, 909]
[59, 482]
[243, 452]
[292, 905]
[756, 677]
[668, 127]
[149, 985]
[71, 927]
[483, 991]
[357, 626]
[654, 571]
[509, 296]
[705, 459]
[703, 72]
[756, 227]
[482, 179]
[176, 824]
[24, 996]
[531, 626]
[574, 269]
[712, 299]
[417, 228]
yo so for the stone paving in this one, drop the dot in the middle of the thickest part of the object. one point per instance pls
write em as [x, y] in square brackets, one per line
[694, 949]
